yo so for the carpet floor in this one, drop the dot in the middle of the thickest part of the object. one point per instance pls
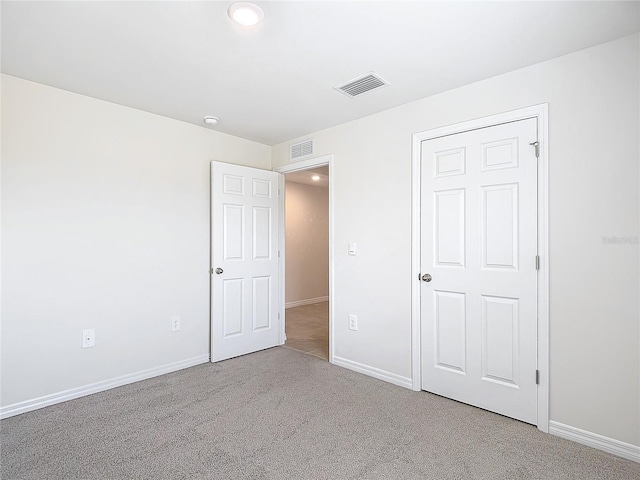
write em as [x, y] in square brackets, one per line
[281, 414]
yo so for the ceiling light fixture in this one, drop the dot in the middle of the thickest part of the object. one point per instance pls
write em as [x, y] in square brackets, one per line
[316, 178]
[211, 120]
[245, 13]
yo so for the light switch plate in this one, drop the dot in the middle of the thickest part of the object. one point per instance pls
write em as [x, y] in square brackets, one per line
[352, 248]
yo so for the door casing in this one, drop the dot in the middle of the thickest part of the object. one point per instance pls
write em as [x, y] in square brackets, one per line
[540, 112]
[295, 167]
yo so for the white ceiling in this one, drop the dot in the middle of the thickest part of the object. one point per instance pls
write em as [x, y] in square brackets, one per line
[304, 176]
[273, 83]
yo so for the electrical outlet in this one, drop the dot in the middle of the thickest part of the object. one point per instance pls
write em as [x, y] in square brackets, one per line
[88, 338]
[175, 323]
[353, 322]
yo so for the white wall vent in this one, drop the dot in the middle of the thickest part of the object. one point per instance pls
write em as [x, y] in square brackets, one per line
[302, 149]
[362, 84]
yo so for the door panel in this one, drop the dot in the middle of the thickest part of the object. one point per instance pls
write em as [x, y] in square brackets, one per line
[449, 228]
[233, 231]
[261, 233]
[500, 359]
[244, 247]
[261, 303]
[479, 243]
[451, 326]
[500, 226]
[232, 306]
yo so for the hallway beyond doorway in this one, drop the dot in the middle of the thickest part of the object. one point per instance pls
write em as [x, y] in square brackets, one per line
[307, 329]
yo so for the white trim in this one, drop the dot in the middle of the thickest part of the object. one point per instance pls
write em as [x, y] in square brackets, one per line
[543, 273]
[283, 260]
[540, 112]
[294, 167]
[511, 116]
[307, 301]
[305, 164]
[594, 440]
[415, 263]
[65, 395]
[331, 264]
[373, 372]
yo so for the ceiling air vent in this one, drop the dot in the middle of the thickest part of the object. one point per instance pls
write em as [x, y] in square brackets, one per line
[362, 84]
[302, 149]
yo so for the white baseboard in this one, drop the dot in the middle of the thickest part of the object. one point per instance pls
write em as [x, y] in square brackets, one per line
[606, 444]
[308, 301]
[59, 397]
[373, 372]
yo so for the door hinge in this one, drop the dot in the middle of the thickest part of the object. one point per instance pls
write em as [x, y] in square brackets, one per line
[537, 377]
[278, 253]
[536, 144]
[537, 262]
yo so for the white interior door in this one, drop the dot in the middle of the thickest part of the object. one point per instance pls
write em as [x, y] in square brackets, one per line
[244, 253]
[479, 245]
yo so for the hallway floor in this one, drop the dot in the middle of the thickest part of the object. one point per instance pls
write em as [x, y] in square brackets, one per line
[307, 329]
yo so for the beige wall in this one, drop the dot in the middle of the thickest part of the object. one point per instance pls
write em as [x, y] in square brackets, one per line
[594, 101]
[105, 225]
[307, 242]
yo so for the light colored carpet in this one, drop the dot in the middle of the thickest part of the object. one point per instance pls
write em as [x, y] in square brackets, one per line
[280, 414]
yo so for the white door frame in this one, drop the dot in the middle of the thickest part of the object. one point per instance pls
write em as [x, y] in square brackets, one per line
[540, 112]
[295, 167]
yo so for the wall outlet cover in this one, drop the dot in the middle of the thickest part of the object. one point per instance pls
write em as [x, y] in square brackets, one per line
[88, 338]
[353, 322]
[175, 323]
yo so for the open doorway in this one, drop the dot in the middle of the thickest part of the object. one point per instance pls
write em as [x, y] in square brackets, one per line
[307, 261]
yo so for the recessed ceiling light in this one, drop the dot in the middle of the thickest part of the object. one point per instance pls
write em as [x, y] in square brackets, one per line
[315, 178]
[211, 120]
[245, 13]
